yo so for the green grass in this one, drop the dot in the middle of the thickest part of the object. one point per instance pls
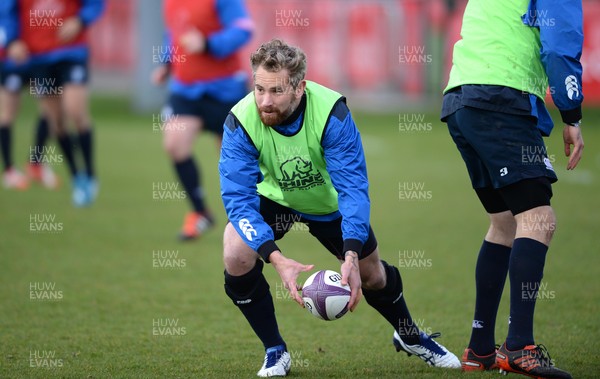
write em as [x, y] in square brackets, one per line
[102, 261]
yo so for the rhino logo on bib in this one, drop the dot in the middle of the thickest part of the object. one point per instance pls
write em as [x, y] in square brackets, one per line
[299, 174]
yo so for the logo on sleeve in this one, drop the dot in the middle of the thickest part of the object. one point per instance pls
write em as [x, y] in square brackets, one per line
[572, 87]
[247, 228]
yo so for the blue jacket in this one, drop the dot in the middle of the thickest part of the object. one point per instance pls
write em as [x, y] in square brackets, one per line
[561, 34]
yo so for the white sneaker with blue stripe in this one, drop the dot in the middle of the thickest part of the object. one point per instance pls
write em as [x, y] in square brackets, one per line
[277, 362]
[428, 350]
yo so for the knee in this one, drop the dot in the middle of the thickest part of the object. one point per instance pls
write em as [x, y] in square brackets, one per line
[173, 146]
[81, 121]
[77, 117]
[238, 258]
[374, 278]
[537, 223]
[247, 289]
[386, 291]
[502, 228]
[168, 144]
[237, 264]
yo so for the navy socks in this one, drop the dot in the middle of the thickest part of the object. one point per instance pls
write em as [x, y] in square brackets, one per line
[526, 271]
[490, 277]
[5, 145]
[189, 176]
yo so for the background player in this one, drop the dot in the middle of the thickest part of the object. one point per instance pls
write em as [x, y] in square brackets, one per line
[54, 35]
[494, 108]
[291, 151]
[204, 38]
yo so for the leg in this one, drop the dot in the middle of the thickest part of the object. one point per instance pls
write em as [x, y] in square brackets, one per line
[52, 109]
[84, 188]
[529, 200]
[535, 224]
[180, 133]
[75, 105]
[382, 288]
[9, 105]
[247, 287]
[534, 232]
[491, 271]
[42, 132]
[38, 168]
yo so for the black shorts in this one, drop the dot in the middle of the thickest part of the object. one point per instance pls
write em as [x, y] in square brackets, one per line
[282, 219]
[50, 79]
[499, 149]
[60, 73]
[13, 80]
[211, 111]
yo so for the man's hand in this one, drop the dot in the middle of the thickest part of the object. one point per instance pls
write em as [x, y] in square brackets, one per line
[351, 276]
[288, 270]
[193, 41]
[160, 74]
[70, 29]
[18, 51]
[572, 136]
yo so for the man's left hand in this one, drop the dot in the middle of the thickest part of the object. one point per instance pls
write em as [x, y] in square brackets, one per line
[70, 29]
[351, 276]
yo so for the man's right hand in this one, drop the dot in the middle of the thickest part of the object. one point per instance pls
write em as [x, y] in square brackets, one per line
[572, 136]
[288, 270]
[18, 51]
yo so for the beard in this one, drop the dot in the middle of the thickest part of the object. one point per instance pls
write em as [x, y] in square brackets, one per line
[272, 116]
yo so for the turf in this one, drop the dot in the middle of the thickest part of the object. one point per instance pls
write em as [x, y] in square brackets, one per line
[114, 304]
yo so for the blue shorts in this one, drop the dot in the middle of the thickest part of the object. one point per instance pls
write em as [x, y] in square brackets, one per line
[211, 111]
[498, 148]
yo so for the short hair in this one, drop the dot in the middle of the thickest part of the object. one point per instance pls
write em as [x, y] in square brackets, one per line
[277, 55]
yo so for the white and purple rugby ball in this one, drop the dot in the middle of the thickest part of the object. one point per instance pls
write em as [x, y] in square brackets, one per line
[324, 296]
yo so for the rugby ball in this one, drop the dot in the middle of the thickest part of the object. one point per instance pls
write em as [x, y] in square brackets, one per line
[324, 296]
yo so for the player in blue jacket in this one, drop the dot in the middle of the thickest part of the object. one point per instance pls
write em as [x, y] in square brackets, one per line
[292, 153]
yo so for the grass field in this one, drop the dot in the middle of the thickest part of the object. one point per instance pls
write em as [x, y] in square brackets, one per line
[115, 315]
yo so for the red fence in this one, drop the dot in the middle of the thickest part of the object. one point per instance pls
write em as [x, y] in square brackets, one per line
[114, 38]
[391, 46]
